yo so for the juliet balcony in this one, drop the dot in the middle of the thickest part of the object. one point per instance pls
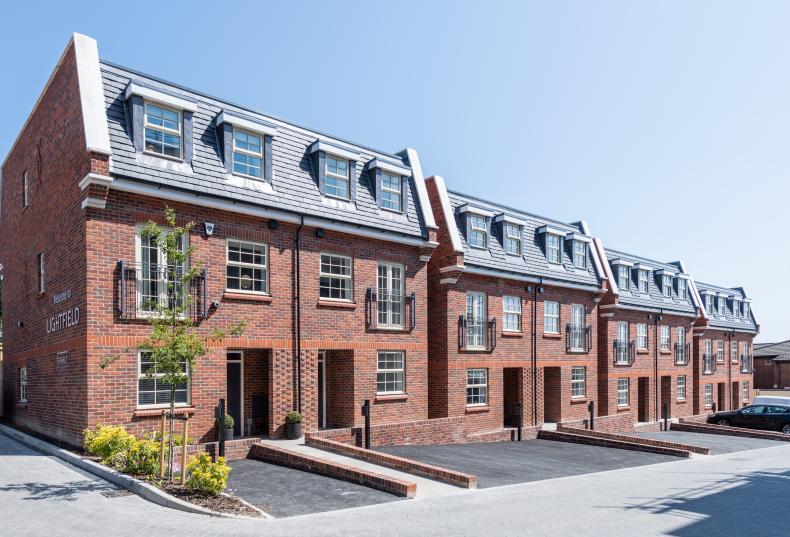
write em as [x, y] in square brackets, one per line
[143, 290]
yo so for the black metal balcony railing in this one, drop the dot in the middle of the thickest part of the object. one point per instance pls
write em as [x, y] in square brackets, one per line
[384, 310]
[476, 333]
[682, 353]
[144, 289]
[746, 363]
[708, 364]
[578, 339]
[624, 352]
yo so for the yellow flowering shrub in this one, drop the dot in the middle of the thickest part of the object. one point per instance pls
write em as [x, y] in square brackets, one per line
[107, 442]
[207, 476]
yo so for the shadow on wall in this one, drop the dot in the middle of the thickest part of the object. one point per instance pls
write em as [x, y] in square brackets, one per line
[748, 504]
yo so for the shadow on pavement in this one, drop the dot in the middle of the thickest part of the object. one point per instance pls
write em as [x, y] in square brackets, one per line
[59, 491]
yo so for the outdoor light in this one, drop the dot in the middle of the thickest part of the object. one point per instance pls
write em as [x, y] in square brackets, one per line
[320, 233]
[273, 224]
[209, 227]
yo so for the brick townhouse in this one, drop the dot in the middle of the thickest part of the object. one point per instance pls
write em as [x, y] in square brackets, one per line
[514, 301]
[320, 244]
[723, 336]
[645, 333]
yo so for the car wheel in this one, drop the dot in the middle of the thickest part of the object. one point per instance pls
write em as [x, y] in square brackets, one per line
[723, 422]
[786, 428]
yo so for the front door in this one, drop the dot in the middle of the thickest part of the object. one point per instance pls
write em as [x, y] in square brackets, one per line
[322, 389]
[235, 390]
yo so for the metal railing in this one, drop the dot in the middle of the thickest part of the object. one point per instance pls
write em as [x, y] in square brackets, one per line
[747, 363]
[145, 289]
[393, 311]
[624, 352]
[708, 364]
[682, 353]
[476, 333]
[578, 339]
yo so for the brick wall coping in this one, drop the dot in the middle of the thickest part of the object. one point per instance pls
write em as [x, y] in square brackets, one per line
[636, 439]
[710, 428]
[317, 465]
[403, 464]
[606, 442]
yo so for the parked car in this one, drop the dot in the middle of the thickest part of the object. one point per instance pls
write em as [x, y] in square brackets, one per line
[771, 400]
[766, 417]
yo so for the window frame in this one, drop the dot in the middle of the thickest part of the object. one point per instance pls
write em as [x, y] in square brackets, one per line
[745, 389]
[390, 313]
[391, 370]
[512, 237]
[337, 177]
[247, 153]
[399, 192]
[665, 336]
[162, 281]
[511, 313]
[720, 350]
[682, 289]
[253, 266]
[578, 335]
[40, 273]
[483, 386]
[479, 230]
[165, 130]
[552, 316]
[479, 301]
[722, 306]
[577, 254]
[344, 277]
[644, 277]
[22, 374]
[734, 352]
[624, 276]
[666, 286]
[678, 387]
[627, 391]
[707, 391]
[576, 382]
[142, 375]
[25, 191]
[639, 336]
[552, 250]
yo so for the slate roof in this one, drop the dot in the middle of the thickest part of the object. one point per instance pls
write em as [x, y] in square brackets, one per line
[654, 298]
[780, 352]
[533, 260]
[295, 186]
[728, 321]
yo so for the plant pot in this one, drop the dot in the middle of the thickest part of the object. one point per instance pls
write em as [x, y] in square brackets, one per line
[229, 434]
[293, 431]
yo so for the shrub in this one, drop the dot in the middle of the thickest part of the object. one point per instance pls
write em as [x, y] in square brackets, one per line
[293, 417]
[178, 439]
[207, 476]
[107, 442]
[141, 458]
[229, 421]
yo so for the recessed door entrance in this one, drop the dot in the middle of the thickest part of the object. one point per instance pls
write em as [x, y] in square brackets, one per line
[643, 399]
[235, 394]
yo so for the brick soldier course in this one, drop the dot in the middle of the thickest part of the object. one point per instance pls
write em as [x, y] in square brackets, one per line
[360, 280]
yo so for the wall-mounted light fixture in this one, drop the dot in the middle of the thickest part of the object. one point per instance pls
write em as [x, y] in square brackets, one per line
[273, 224]
[320, 233]
[209, 227]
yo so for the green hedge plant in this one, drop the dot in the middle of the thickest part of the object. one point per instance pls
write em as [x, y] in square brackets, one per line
[207, 476]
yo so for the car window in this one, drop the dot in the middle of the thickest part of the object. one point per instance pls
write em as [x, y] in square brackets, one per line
[778, 409]
[756, 409]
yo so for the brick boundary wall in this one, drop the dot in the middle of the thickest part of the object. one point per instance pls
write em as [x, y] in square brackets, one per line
[699, 418]
[612, 424]
[731, 431]
[580, 438]
[637, 439]
[317, 465]
[234, 449]
[430, 471]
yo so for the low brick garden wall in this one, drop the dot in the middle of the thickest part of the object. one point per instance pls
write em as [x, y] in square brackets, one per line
[623, 422]
[636, 439]
[234, 449]
[581, 437]
[726, 430]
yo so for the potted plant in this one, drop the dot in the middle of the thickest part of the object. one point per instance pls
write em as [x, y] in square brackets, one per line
[293, 425]
[229, 424]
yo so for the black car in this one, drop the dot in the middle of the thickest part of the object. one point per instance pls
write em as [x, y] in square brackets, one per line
[766, 417]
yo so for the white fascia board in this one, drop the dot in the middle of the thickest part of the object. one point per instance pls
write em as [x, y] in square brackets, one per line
[447, 210]
[390, 167]
[96, 203]
[683, 276]
[529, 279]
[246, 124]
[419, 185]
[574, 236]
[748, 300]
[509, 219]
[648, 309]
[468, 208]
[606, 269]
[321, 145]
[643, 266]
[623, 262]
[151, 94]
[707, 292]
[696, 298]
[724, 295]
[94, 116]
[597, 261]
[135, 187]
[552, 230]
[666, 272]
[95, 179]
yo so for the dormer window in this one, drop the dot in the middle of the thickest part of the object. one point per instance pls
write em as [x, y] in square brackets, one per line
[736, 308]
[247, 153]
[624, 277]
[709, 303]
[667, 286]
[162, 130]
[553, 252]
[746, 311]
[512, 239]
[335, 168]
[337, 181]
[389, 181]
[246, 144]
[391, 194]
[722, 302]
[682, 289]
[478, 231]
[580, 254]
[644, 279]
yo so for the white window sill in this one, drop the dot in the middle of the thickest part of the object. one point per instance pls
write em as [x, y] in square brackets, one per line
[165, 157]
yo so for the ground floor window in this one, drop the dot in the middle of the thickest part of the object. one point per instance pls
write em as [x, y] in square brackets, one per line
[745, 390]
[708, 394]
[578, 381]
[476, 387]
[681, 387]
[622, 392]
[22, 384]
[151, 390]
[389, 372]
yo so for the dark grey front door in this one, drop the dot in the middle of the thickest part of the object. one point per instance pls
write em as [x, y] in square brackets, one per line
[234, 392]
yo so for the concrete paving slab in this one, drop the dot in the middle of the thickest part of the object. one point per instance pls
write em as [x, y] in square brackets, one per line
[717, 443]
[507, 463]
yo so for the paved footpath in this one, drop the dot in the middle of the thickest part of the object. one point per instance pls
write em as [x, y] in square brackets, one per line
[740, 494]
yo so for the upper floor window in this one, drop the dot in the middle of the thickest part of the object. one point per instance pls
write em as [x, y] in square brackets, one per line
[722, 305]
[337, 179]
[736, 308]
[553, 252]
[734, 352]
[665, 338]
[551, 317]
[641, 336]
[156, 276]
[623, 277]
[512, 239]
[390, 298]
[720, 351]
[23, 384]
[162, 130]
[511, 311]
[247, 153]
[335, 279]
[709, 303]
[247, 268]
[476, 320]
[25, 190]
[478, 231]
[40, 259]
[577, 329]
[643, 281]
[667, 286]
[681, 333]
[746, 310]
[391, 196]
[579, 254]
[682, 290]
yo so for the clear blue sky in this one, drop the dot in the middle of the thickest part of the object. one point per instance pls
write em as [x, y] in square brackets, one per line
[665, 125]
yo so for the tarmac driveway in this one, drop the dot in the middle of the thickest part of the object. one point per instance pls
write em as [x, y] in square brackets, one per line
[507, 463]
[718, 443]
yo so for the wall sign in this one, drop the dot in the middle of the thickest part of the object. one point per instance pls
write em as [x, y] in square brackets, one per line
[63, 320]
[62, 359]
[61, 297]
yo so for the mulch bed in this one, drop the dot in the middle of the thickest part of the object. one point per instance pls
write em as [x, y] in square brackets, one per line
[218, 503]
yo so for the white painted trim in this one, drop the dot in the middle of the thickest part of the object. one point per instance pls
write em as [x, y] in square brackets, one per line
[574, 236]
[134, 187]
[151, 94]
[94, 115]
[468, 208]
[607, 270]
[449, 217]
[622, 262]
[683, 276]
[419, 185]
[648, 309]
[509, 219]
[445, 281]
[724, 295]
[552, 230]
[95, 203]
[451, 268]
[389, 167]
[246, 124]
[240, 361]
[95, 179]
[666, 272]
[643, 266]
[321, 145]
[530, 279]
[696, 298]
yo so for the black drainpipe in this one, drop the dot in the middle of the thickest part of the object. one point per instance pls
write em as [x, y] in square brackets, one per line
[297, 278]
[534, 353]
[656, 388]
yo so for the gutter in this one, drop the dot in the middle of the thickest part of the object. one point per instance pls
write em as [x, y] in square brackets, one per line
[471, 269]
